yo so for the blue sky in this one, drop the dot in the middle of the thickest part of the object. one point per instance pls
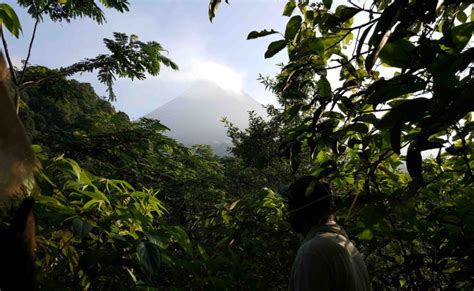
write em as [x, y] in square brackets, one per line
[217, 50]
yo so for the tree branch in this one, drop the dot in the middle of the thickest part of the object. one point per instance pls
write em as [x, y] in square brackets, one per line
[29, 50]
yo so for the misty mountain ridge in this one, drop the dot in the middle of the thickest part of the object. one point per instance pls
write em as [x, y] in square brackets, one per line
[195, 117]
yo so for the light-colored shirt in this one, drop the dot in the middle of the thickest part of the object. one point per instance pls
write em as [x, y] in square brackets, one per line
[327, 260]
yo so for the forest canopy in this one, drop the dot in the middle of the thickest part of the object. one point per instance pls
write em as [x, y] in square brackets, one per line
[375, 99]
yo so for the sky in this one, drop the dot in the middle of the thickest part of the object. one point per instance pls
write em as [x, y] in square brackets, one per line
[215, 51]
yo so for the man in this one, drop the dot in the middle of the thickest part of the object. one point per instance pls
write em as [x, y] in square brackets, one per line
[327, 260]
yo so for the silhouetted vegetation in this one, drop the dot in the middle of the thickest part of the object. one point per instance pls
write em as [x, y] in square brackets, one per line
[120, 205]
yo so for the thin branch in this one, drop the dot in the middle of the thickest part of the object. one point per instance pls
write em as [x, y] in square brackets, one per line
[339, 41]
[363, 9]
[356, 42]
[359, 26]
[29, 50]
[62, 73]
[342, 64]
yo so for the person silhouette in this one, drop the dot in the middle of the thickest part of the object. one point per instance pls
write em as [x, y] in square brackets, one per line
[327, 259]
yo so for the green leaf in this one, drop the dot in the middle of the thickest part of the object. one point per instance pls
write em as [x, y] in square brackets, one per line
[461, 34]
[461, 16]
[10, 20]
[327, 4]
[96, 195]
[366, 235]
[257, 34]
[90, 203]
[202, 252]
[357, 127]
[80, 227]
[149, 257]
[324, 88]
[275, 47]
[292, 27]
[317, 47]
[399, 53]
[293, 111]
[386, 21]
[408, 110]
[213, 5]
[289, 7]
[384, 90]
[382, 32]
[353, 142]
[181, 238]
[369, 118]
[345, 13]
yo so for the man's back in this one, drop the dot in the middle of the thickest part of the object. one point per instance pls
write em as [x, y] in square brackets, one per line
[327, 260]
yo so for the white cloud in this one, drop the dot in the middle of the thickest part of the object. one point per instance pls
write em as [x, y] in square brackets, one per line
[225, 76]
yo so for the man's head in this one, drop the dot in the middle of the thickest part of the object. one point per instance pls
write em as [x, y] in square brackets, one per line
[310, 203]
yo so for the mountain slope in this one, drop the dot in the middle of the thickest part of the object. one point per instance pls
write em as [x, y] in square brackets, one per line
[195, 116]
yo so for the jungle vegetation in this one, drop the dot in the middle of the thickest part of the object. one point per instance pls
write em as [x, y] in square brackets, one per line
[120, 205]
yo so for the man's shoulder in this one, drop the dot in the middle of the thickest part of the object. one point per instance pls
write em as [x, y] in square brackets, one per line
[320, 245]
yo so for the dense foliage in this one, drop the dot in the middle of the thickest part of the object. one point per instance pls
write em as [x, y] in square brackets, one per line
[191, 209]
[120, 205]
[362, 132]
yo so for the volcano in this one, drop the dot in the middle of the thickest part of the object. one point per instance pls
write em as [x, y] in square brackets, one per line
[195, 117]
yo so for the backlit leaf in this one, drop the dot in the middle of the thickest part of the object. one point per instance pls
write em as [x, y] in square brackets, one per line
[292, 27]
[149, 257]
[289, 7]
[345, 13]
[324, 88]
[398, 53]
[10, 20]
[257, 34]
[275, 47]
[461, 34]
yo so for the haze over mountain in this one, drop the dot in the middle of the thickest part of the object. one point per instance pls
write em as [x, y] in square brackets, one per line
[195, 116]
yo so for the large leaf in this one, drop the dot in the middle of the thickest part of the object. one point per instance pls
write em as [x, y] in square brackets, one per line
[317, 47]
[181, 238]
[292, 27]
[408, 110]
[399, 53]
[327, 4]
[461, 34]
[81, 228]
[357, 127]
[275, 47]
[345, 13]
[384, 90]
[10, 20]
[382, 32]
[149, 257]
[324, 88]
